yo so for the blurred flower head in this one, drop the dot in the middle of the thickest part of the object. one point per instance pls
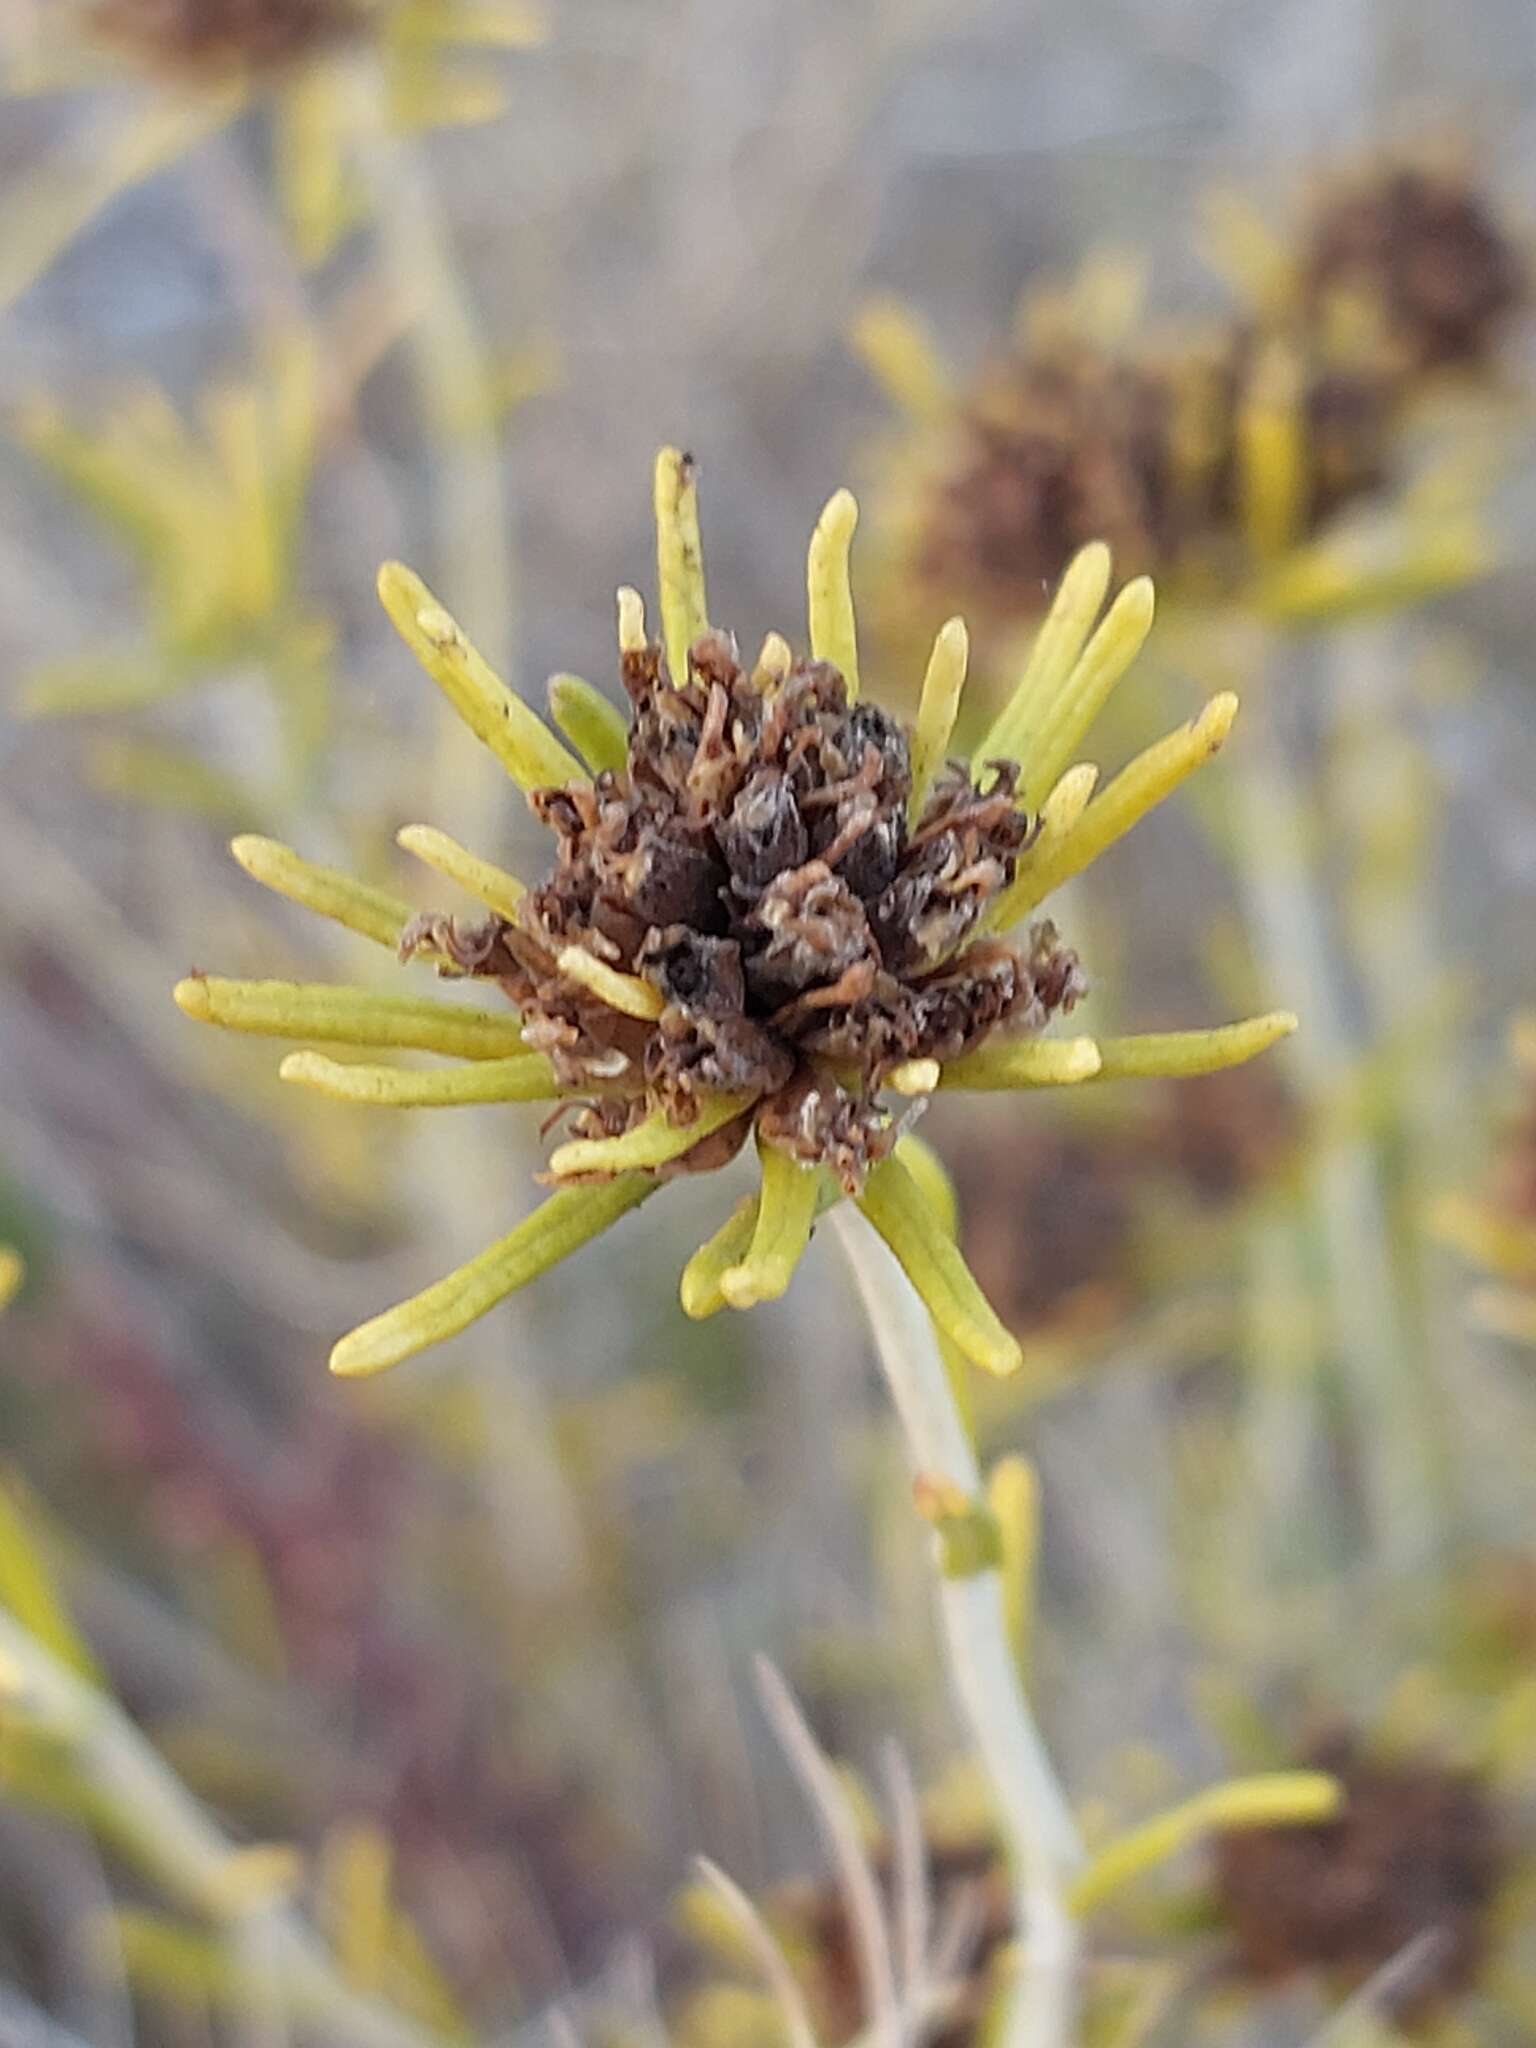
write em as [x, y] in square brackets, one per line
[336, 78]
[215, 37]
[1403, 1878]
[1414, 251]
[1219, 459]
[775, 912]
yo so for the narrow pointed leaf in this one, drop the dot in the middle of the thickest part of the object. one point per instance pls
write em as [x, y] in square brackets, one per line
[679, 559]
[656, 1142]
[781, 1230]
[897, 1207]
[1185, 1053]
[701, 1289]
[829, 591]
[627, 993]
[568, 1219]
[1118, 640]
[528, 1077]
[1029, 1063]
[492, 885]
[1062, 636]
[1137, 789]
[1036, 867]
[1276, 1799]
[347, 1016]
[936, 711]
[519, 739]
[901, 358]
[592, 725]
[1013, 1494]
[372, 912]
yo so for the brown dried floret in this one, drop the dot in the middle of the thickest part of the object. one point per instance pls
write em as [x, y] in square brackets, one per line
[1423, 252]
[213, 37]
[1058, 448]
[1415, 1852]
[1053, 451]
[753, 866]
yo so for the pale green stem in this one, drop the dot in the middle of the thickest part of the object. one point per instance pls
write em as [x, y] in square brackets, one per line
[1037, 1825]
[156, 1821]
[1284, 897]
[1400, 952]
[1279, 1341]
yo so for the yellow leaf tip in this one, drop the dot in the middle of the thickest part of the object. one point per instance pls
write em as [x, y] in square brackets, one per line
[1093, 556]
[351, 1360]
[694, 1296]
[1081, 1058]
[1002, 1360]
[914, 1077]
[1215, 720]
[191, 997]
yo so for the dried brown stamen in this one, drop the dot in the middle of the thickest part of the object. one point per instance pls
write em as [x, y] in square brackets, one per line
[753, 865]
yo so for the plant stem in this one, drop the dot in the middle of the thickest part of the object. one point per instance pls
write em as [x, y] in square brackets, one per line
[1286, 927]
[1037, 1825]
[139, 1803]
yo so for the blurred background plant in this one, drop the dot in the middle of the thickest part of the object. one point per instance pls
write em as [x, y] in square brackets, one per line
[474, 1646]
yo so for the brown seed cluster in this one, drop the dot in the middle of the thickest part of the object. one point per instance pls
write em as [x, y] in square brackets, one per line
[1423, 251]
[1415, 1852]
[1064, 441]
[211, 38]
[1070, 445]
[754, 864]
[1055, 450]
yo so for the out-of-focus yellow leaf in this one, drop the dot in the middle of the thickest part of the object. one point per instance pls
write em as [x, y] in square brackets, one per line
[27, 1588]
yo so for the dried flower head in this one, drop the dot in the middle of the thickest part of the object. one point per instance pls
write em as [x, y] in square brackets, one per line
[1407, 1870]
[206, 38]
[774, 911]
[937, 1875]
[1217, 460]
[1420, 252]
[332, 77]
[1064, 444]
